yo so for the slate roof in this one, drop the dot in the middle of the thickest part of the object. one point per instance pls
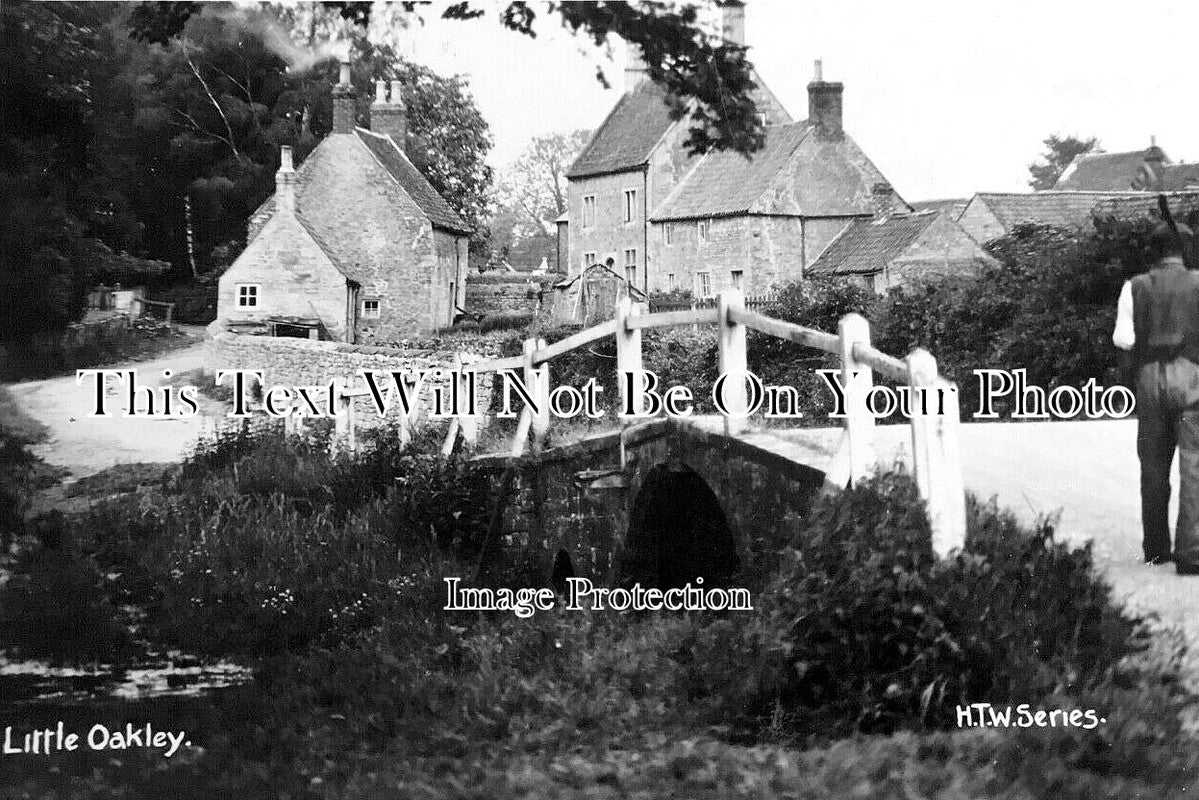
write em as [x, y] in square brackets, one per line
[1176, 177]
[398, 166]
[418, 188]
[638, 121]
[868, 245]
[626, 137]
[1062, 208]
[724, 183]
[1106, 172]
[1145, 205]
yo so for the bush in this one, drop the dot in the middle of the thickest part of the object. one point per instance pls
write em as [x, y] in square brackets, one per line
[862, 629]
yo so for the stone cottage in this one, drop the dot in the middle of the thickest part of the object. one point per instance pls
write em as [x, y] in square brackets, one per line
[902, 250]
[355, 245]
[668, 220]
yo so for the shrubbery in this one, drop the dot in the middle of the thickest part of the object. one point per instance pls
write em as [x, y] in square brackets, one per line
[367, 682]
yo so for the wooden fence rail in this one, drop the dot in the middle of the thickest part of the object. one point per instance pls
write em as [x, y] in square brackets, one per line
[933, 405]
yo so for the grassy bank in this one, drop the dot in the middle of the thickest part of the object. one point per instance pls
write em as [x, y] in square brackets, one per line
[326, 574]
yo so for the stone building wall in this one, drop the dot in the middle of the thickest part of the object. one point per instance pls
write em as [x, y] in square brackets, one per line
[496, 292]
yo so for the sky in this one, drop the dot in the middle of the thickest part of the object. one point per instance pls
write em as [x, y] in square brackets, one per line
[947, 98]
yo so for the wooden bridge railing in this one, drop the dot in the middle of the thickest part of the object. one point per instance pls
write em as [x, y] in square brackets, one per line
[936, 461]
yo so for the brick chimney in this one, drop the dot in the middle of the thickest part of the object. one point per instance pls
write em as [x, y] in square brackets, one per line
[824, 106]
[344, 97]
[389, 115]
[732, 22]
[635, 72]
[285, 182]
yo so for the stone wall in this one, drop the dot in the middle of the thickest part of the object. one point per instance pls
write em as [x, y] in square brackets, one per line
[304, 362]
[521, 292]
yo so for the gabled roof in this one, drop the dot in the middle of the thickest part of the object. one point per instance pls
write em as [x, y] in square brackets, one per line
[641, 117]
[725, 182]
[1107, 172]
[397, 165]
[625, 139]
[344, 267]
[418, 188]
[1061, 208]
[866, 246]
[796, 173]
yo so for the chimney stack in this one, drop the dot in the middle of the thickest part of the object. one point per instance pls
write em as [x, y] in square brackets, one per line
[389, 115]
[635, 72]
[285, 182]
[824, 106]
[732, 22]
[882, 197]
[344, 98]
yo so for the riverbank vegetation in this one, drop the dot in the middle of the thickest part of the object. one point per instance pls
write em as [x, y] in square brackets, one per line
[324, 574]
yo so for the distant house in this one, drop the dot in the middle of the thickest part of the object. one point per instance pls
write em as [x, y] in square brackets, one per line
[902, 250]
[990, 215]
[354, 245]
[1149, 170]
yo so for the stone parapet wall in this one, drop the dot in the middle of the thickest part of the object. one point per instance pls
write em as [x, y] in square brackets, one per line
[509, 292]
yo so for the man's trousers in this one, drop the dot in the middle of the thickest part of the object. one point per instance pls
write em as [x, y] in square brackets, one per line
[1168, 418]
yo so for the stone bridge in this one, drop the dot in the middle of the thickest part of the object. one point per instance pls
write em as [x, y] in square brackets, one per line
[661, 502]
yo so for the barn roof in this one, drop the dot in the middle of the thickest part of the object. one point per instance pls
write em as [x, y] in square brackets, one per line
[868, 245]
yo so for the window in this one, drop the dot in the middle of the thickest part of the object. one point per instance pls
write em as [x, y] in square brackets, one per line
[630, 205]
[738, 274]
[247, 295]
[668, 233]
[702, 229]
[763, 120]
[630, 266]
[588, 260]
[703, 284]
[370, 308]
[589, 211]
[670, 281]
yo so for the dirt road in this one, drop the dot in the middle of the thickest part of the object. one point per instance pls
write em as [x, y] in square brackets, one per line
[85, 444]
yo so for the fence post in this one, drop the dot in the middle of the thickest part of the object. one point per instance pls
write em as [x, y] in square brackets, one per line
[857, 379]
[537, 380]
[467, 424]
[628, 351]
[936, 457]
[339, 417]
[733, 360]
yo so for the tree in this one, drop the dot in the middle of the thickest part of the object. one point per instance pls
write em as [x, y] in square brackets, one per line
[534, 186]
[230, 86]
[62, 224]
[706, 79]
[1059, 152]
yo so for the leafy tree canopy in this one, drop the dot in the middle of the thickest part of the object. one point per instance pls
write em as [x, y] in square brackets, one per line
[1059, 152]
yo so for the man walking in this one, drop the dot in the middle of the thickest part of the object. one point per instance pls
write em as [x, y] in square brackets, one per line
[1158, 321]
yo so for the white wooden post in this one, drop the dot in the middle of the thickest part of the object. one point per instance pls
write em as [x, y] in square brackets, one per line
[451, 436]
[467, 424]
[858, 380]
[340, 417]
[628, 351]
[537, 381]
[733, 360]
[350, 423]
[936, 457]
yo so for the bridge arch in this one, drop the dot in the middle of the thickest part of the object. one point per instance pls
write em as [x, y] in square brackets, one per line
[678, 531]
